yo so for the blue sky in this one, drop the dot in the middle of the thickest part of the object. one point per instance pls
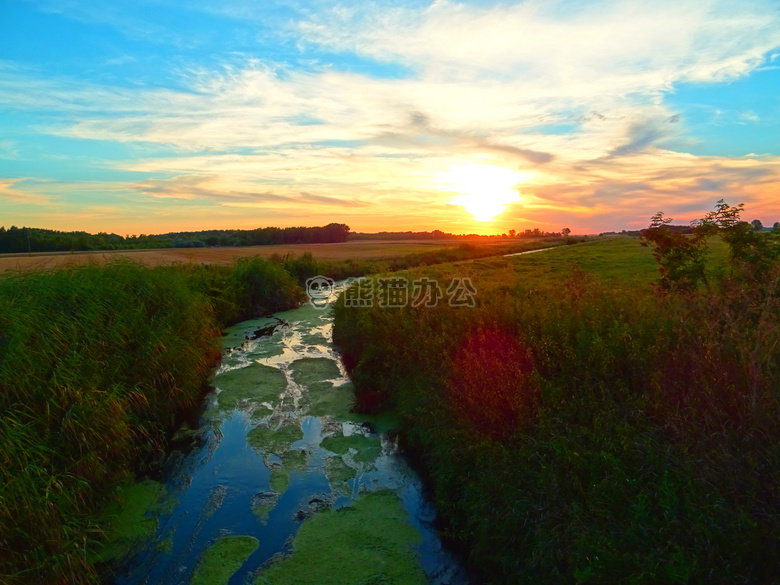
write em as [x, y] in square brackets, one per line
[154, 116]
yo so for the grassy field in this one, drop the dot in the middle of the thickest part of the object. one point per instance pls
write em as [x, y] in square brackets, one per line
[356, 249]
[577, 425]
[619, 259]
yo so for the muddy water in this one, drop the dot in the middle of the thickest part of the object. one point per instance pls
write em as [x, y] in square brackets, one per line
[276, 449]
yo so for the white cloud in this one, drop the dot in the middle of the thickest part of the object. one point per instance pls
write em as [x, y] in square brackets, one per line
[560, 45]
[8, 149]
[747, 117]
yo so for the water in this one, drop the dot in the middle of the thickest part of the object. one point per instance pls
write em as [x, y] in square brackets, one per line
[213, 488]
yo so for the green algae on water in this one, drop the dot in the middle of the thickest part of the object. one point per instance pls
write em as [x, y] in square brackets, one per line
[255, 383]
[368, 448]
[335, 402]
[308, 371]
[381, 423]
[215, 500]
[280, 479]
[236, 335]
[314, 339]
[166, 545]
[263, 503]
[128, 519]
[338, 472]
[223, 559]
[268, 440]
[368, 543]
[295, 460]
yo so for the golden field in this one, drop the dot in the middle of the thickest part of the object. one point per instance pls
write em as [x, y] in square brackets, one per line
[335, 251]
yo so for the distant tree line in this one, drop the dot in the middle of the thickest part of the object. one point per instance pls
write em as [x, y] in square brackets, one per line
[756, 224]
[25, 239]
[440, 235]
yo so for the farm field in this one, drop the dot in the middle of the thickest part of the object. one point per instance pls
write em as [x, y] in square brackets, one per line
[162, 256]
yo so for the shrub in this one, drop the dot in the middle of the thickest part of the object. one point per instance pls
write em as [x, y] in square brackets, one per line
[492, 383]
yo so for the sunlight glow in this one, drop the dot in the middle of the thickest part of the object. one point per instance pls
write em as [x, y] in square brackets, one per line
[485, 190]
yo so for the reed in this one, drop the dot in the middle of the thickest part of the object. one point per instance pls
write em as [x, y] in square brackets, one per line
[96, 365]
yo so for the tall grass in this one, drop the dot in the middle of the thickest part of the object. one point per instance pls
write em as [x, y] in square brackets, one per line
[580, 430]
[96, 364]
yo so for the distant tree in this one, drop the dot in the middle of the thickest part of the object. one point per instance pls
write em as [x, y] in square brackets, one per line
[757, 225]
[776, 227]
[565, 231]
[512, 233]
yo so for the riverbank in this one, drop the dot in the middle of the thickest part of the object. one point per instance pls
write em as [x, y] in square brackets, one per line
[576, 426]
[97, 364]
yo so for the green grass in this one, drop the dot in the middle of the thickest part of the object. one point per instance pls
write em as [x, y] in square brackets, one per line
[306, 266]
[610, 259]
[577, 426]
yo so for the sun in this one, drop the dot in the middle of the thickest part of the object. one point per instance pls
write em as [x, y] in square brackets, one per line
[485, 190]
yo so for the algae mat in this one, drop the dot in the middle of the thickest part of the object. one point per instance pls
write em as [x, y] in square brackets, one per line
[130, 519]
[369, 543]
[223, 559]
[255, 383]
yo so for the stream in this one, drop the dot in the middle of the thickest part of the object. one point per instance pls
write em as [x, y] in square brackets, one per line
[277, 449]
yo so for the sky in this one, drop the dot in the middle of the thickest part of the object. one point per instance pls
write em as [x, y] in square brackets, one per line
[465, 116]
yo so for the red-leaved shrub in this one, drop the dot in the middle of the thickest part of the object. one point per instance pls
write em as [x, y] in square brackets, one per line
[493, 384]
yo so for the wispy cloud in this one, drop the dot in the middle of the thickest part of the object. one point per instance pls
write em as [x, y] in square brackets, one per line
[12, 191]
[115, 16]
[8, 149]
